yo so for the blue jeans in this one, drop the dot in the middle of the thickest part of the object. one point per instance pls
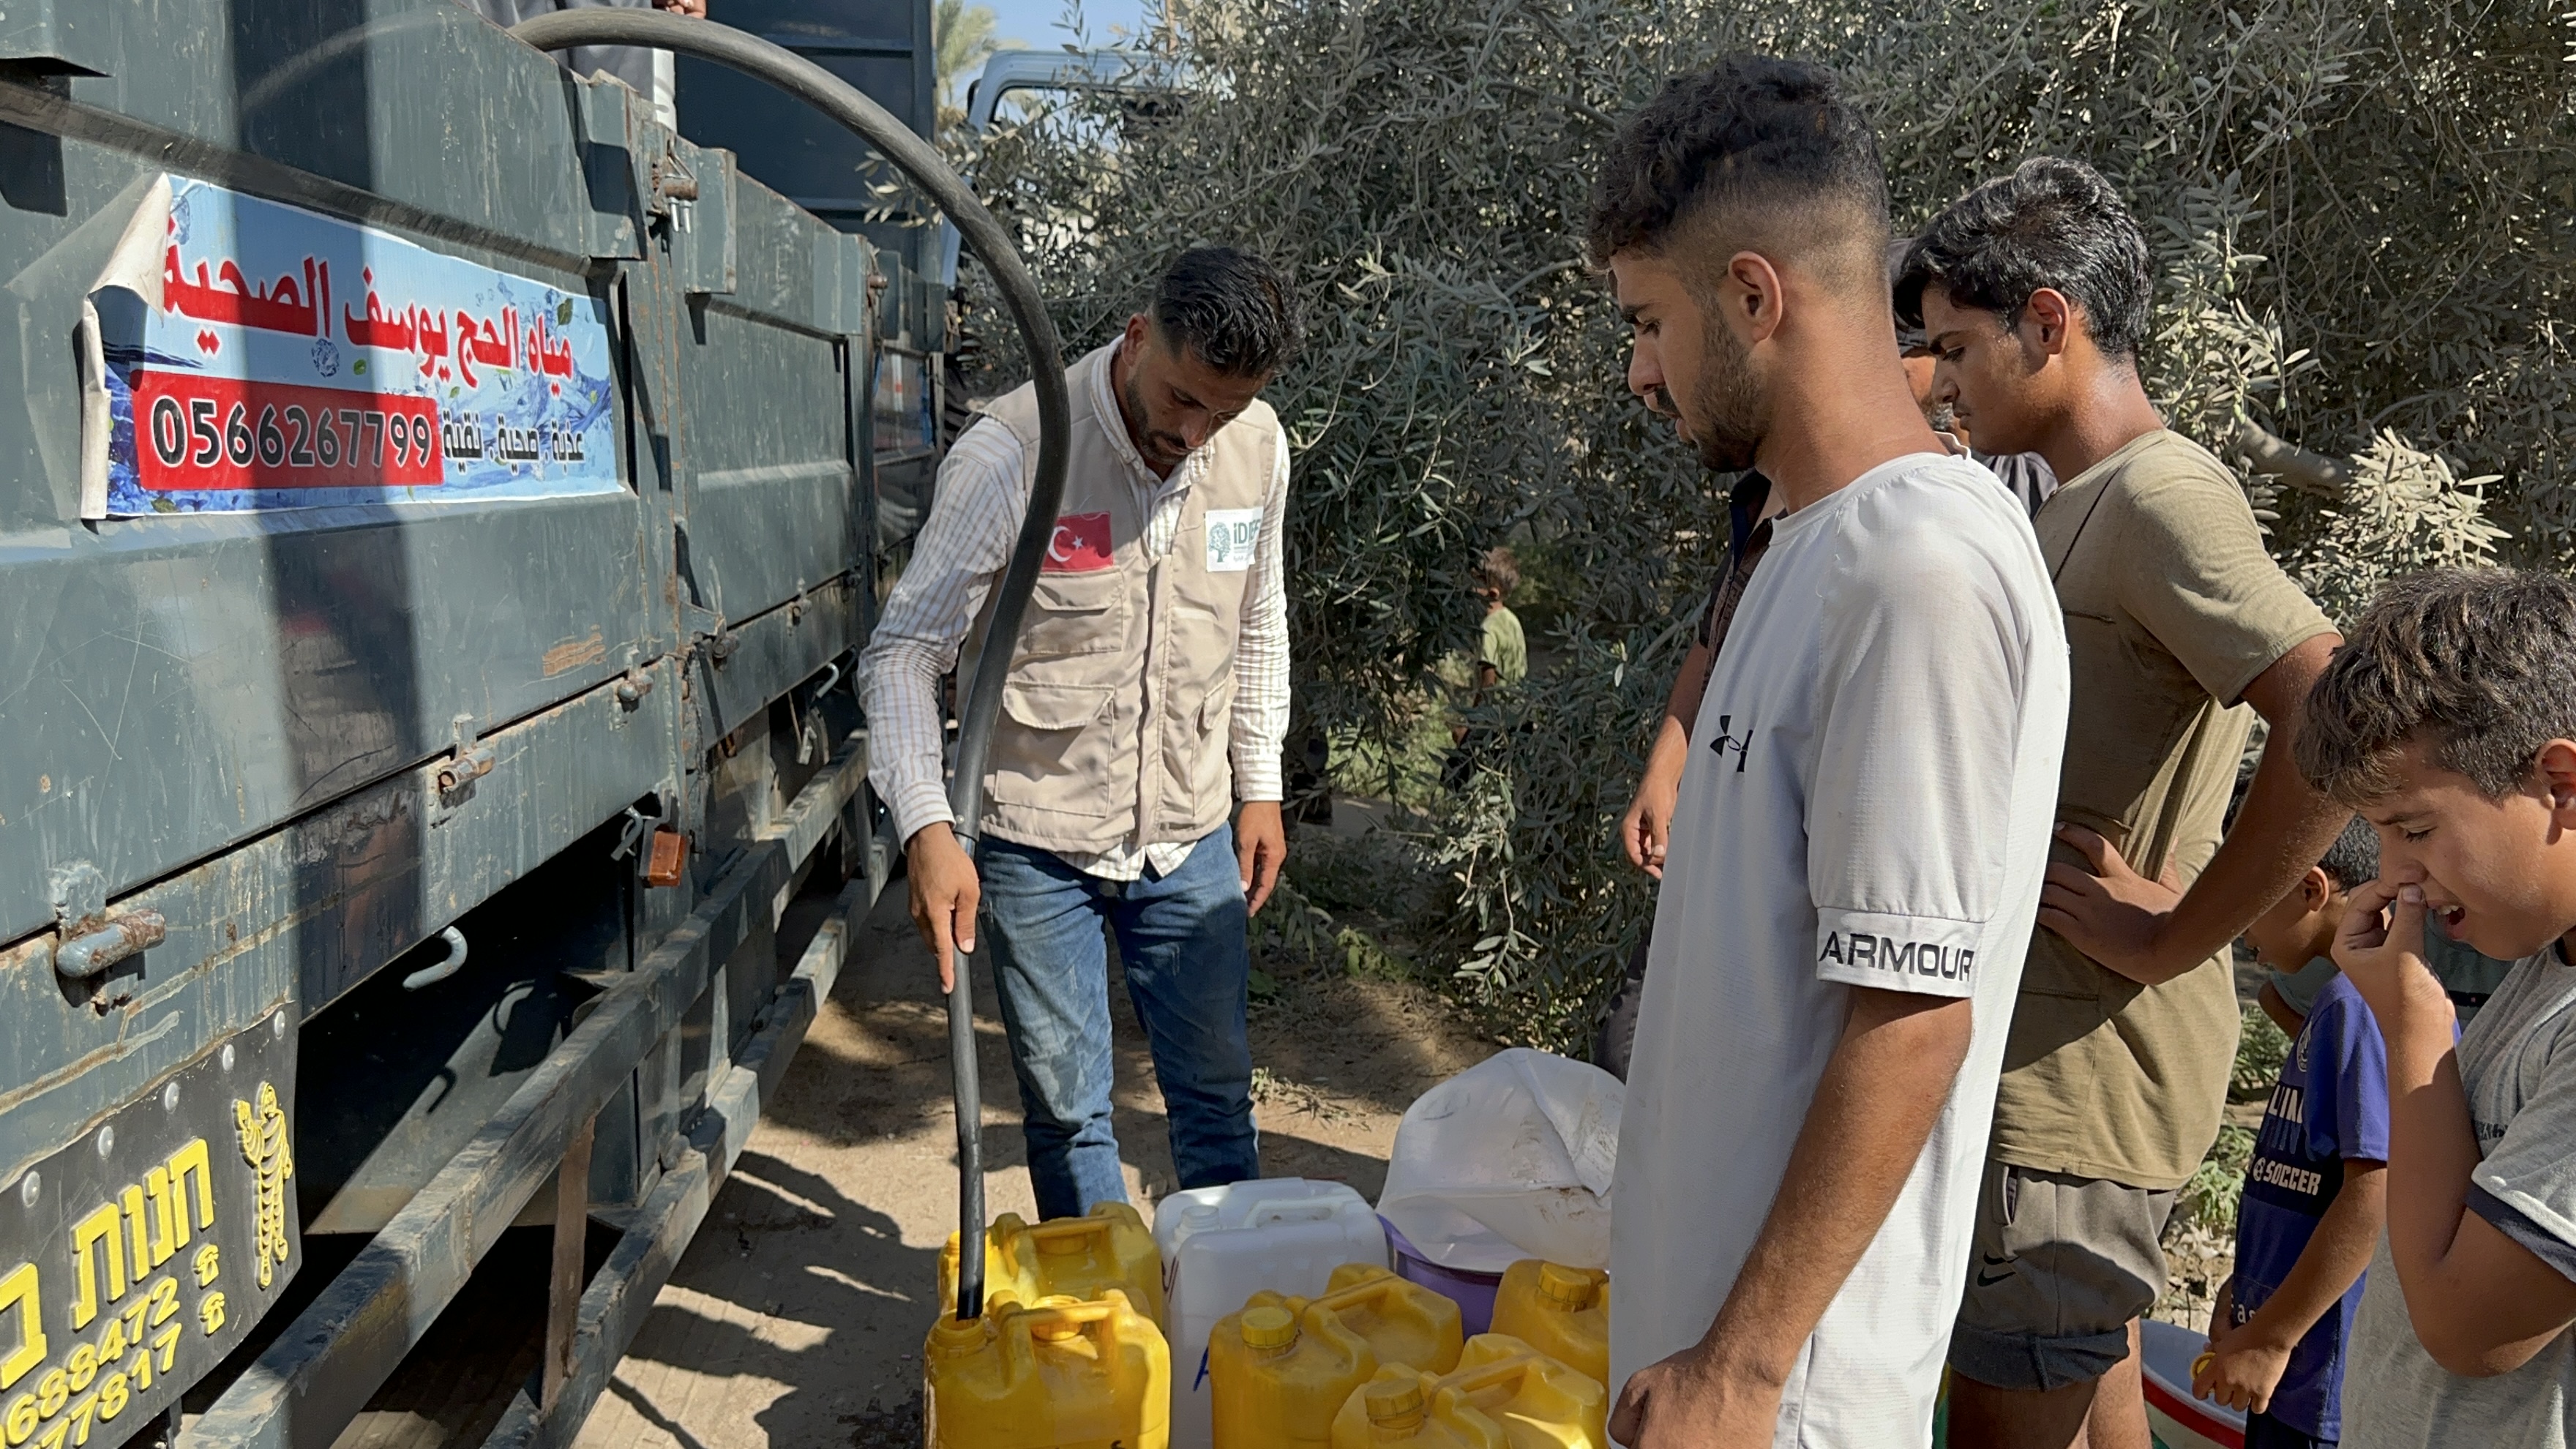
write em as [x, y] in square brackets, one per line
[1182, 940]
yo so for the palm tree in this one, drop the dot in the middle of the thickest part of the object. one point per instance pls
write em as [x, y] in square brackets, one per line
[961, 36]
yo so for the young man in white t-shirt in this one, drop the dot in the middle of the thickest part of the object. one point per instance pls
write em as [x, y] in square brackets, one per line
[1855, 864]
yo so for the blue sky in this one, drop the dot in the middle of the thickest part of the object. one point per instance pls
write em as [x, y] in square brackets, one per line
[1034, 22]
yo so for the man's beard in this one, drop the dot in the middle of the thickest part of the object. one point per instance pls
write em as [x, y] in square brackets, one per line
[1734, 416]
[1157, 447]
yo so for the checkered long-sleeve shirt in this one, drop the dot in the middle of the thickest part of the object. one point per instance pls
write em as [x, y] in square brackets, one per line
[975, 516]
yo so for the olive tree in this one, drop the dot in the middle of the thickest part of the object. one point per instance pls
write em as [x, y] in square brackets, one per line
[2364, 214]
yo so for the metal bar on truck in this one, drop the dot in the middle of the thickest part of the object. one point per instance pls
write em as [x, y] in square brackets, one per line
[320, 1373]
[614, 1306]
[572, 1237]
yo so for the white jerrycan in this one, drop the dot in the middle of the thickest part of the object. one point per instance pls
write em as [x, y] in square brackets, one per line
[1221, 1245]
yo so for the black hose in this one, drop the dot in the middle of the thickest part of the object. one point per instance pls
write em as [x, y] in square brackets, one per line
[984, 236]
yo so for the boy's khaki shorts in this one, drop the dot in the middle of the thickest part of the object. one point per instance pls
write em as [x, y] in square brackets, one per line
[2059, 1266]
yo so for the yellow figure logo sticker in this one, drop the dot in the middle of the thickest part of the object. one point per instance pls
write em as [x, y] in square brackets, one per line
[262, 1130]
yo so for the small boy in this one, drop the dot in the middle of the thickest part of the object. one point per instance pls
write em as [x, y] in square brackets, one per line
[2296, 937]
[2315, 1191]
[2449, 721]
[1502, 656]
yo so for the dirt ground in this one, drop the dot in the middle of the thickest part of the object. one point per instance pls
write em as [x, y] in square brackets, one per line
[797, 1315]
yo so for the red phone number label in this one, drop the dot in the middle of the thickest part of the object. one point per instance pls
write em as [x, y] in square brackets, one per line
[209, 433]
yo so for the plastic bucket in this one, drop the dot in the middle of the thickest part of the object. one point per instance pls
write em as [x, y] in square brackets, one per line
[1473, 1292]
[2178, 1420]
[1221, 1245]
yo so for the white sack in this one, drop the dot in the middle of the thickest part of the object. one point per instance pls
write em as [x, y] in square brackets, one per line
[1509, 1159]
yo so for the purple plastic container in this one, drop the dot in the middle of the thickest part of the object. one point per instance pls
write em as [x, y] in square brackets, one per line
[1472, 1292]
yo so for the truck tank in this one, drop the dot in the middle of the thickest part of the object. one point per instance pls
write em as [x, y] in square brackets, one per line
[440, 515]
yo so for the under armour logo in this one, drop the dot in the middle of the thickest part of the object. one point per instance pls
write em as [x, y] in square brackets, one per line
[1725, 741]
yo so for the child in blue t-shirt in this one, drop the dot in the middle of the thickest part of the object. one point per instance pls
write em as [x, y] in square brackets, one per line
[2315, 1193]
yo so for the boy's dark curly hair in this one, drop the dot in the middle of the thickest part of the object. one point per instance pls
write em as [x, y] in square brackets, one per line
[2478, 664]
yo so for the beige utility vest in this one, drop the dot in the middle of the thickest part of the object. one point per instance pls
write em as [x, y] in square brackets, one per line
[1116, 714]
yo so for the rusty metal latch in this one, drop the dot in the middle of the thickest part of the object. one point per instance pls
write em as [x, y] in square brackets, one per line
[670, 180]
[133, 933]
[92, 941]
[661, 853]
[465, 768]
[632, 688]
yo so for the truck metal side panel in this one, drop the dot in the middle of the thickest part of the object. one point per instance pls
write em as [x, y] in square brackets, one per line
[301, 742]
[176, 686]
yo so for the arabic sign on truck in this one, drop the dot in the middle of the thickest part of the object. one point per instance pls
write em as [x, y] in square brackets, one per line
[251, 356]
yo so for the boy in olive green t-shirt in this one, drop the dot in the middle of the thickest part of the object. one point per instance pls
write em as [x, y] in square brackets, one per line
[1502, 660]
[2033, 293]
[1503, 653]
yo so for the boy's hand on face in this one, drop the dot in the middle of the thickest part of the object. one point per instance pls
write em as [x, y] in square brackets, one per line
[2110, 913]
[2241, 1369]
[2380, 946]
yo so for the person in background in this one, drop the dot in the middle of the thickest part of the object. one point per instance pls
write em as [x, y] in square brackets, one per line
[2315, 1193]
[1147, 693]
[1857, 858]
[2033, 293]
[1502, 660]
[2449, 722]
[1503, 654]
[2024, 475]
[2294, 939]
[2289, 994]
[648, 73]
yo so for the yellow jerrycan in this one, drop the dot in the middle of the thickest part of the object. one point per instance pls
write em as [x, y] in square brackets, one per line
[1061, 1375]
[1405, 1408]
[1108, 1247]
[1562, 1312]
[1403, 1322]
[1276, 1378]
[1539, 1402]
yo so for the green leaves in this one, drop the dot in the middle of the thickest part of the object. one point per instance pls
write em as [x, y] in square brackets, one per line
[2363, 245]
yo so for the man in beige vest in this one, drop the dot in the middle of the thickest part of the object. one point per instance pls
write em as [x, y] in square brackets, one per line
[1148, 692]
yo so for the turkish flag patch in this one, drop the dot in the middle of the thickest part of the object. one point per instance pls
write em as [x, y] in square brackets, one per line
[1080, 545]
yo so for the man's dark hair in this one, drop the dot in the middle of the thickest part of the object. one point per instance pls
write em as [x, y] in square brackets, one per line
[2354, 856]
[1234, 311]
[2052, 223]
[2479, 665]
[1753, 136]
